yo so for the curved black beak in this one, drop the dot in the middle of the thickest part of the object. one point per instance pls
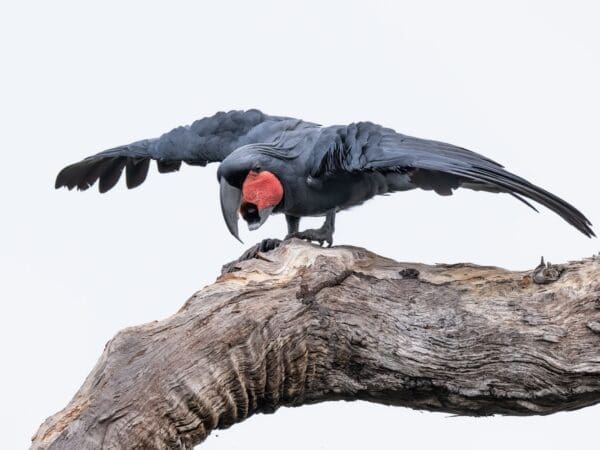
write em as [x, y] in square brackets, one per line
[231, 198]
[263, 215]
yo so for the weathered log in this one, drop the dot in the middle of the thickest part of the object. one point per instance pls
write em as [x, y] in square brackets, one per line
[303, 324]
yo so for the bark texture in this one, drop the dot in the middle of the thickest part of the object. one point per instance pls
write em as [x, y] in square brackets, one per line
[302, 324]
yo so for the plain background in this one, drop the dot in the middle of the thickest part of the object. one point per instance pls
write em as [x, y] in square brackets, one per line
[515, 80]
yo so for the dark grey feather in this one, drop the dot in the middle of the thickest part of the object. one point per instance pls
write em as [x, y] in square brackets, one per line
[207, 140]
[350, 163]
[168, 166]
[112, 173]
[365, 147]
[136, 171]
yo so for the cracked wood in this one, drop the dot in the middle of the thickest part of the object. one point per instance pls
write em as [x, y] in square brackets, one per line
[303, 324]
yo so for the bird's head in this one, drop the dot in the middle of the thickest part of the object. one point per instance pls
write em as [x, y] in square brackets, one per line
[261, 191]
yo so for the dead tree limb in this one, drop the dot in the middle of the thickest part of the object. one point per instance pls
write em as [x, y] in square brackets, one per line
[303, 325]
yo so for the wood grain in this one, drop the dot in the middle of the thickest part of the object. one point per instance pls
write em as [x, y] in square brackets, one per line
[303, 324]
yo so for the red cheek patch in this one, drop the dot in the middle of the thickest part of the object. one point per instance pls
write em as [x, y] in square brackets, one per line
[262, 189]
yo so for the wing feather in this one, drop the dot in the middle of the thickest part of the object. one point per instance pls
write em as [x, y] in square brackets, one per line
[136, 171]
[207, 140]
[433, 165]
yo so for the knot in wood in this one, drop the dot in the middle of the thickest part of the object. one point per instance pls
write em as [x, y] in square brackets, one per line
[546, 273]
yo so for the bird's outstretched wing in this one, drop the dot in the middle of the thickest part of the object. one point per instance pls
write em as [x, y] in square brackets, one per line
[207, 140]
[432, 165]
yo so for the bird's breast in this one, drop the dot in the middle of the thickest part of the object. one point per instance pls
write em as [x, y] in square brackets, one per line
[308, 196]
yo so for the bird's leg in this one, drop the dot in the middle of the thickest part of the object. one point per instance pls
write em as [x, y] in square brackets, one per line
[320, 235]
[293, 223]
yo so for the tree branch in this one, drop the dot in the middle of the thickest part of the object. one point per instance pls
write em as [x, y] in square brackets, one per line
[303, 325]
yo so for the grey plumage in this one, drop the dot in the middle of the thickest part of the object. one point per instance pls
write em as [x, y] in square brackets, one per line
[321, 168]
[207, 140]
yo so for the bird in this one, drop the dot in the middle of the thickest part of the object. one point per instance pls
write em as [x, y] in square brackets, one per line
[282, 165]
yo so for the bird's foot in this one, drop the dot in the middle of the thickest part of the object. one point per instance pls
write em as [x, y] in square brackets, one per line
[320, 235]
[253, 252]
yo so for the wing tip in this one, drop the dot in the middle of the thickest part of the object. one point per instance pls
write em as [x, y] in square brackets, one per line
[587, 230]
[519, 187]
[84, 174]
[67, 177]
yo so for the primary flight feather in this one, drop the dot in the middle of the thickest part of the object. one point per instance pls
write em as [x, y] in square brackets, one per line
[272, 164]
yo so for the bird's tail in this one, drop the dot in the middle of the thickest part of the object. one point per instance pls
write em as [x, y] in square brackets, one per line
[495, 177]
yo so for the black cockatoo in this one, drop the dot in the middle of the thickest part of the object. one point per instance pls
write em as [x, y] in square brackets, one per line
[272, 164]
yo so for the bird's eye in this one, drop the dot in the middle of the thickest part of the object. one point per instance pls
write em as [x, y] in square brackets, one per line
[257, 168]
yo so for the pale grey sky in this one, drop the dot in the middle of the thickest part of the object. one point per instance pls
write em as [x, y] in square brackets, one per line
[514, 80]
